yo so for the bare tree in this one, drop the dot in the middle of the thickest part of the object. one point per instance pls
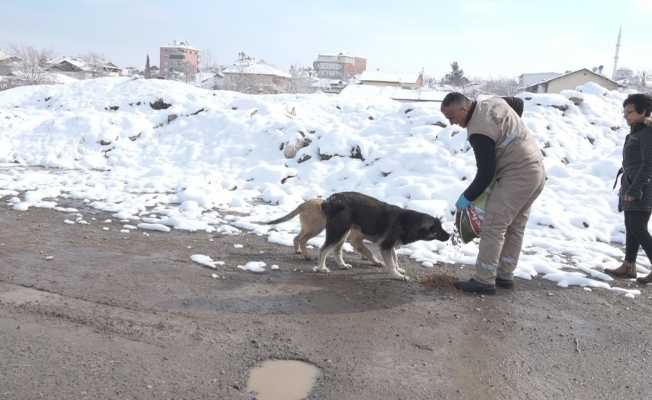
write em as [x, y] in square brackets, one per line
[95, 63]
[302, 79]
[207, 63]
[32, 63]
[500, 86]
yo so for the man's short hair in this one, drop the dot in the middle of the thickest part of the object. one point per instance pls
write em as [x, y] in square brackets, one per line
[642, 103]
[454, 98]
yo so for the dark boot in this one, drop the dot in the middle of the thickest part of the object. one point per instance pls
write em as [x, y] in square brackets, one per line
[473, 286]
[646, 279]
[626, 270]
[505, 283]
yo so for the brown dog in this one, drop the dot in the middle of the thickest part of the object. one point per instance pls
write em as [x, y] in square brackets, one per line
[313, 221]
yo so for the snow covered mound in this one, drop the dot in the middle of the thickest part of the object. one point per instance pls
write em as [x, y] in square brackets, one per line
[162, 152]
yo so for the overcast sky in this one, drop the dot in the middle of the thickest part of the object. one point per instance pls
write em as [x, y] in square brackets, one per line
[491, 38]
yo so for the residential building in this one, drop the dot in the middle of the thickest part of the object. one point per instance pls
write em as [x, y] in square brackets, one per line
[529, 79]
[111, 69]
[570, 81]
[340, 67]
[405, 81]
[210, 80]
[8, 63]
[70, 66]
[179, 61]
[6, 57]
[133, 71]
[79, 68]
[250, 76]
[623, 74]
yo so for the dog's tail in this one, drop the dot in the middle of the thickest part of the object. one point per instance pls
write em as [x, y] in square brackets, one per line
[287, 217]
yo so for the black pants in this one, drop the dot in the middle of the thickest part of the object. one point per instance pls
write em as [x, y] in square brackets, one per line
[636, 234]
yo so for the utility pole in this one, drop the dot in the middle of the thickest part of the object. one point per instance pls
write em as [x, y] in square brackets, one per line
[613, 73]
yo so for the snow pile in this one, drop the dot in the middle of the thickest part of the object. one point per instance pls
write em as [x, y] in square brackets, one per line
[164, 155]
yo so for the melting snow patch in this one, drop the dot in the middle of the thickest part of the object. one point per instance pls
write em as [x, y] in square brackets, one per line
[154, 227]
[253, 266]
[204, 260]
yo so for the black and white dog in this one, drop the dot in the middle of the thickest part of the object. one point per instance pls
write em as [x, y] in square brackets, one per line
[384, 224]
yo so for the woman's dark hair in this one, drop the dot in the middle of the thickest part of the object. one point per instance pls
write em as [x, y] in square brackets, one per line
[642, 103]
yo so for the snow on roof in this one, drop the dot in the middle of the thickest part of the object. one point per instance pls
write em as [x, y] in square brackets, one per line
[335, 58]
[574, 72]
[377, 76]
[110, 65]
[5, 56]
[77, 62]
[258, 68]
[204, 76]
[180, 45]
[530, 79]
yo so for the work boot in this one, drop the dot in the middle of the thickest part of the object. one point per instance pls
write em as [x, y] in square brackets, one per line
[626, 270]
[473, 286]
[505, 283]
[646, 279]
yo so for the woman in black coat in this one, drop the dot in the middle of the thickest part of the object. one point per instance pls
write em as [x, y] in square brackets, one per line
[636, 188]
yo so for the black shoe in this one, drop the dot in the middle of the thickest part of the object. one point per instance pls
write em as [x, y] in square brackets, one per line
[473, 286]
[505, 283]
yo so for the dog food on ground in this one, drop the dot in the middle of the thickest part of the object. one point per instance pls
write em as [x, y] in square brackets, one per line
[437, 281]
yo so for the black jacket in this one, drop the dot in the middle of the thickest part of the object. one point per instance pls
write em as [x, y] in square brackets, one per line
[637, 169]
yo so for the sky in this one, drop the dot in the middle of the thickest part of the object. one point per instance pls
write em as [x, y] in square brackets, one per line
[489, 39]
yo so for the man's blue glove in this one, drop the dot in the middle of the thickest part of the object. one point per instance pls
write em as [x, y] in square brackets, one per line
[462, 202]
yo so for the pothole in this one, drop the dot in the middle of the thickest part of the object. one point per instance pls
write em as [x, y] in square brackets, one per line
[282, 380]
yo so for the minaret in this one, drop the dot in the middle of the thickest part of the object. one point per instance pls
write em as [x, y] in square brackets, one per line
[613, 73]
[148, 72]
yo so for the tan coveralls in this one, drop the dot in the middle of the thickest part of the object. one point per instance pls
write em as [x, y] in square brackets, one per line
[520, 177]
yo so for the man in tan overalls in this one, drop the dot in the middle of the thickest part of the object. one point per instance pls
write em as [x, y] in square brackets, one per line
[507, 156]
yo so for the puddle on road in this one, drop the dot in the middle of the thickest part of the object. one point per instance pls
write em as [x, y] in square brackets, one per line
[282, 380]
